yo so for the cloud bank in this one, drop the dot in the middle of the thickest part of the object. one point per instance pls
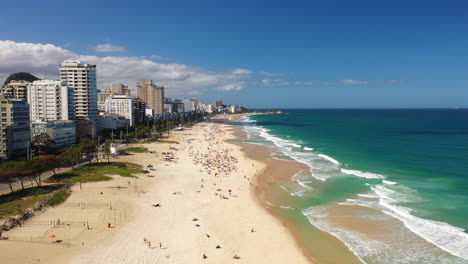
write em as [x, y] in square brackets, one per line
[109, 48]
[280, 82]
[43, 60]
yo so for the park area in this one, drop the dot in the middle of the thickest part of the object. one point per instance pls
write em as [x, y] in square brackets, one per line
[56, 189]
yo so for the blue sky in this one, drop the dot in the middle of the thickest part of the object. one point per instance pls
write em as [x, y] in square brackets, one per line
[298, 53]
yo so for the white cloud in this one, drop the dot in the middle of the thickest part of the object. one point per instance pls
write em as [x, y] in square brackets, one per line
[395, 81]
[241, 71]
[271, 82]
[157, 57]
[43, 60]
[232, 87]
[271, 74]
[349, 81]
[107, 47]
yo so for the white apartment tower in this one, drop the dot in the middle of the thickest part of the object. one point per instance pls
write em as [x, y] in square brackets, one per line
[120, 105]
[82, 77]
[50, 100]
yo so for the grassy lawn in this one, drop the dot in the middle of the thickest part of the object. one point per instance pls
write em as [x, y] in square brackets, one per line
[18, 202]
[98, 172]
[60, 197]
[136, 149]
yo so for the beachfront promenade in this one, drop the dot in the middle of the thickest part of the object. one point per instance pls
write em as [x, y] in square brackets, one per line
[198, 207]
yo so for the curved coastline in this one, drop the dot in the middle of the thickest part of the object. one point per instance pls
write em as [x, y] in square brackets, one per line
[418, 242]
[318, 245]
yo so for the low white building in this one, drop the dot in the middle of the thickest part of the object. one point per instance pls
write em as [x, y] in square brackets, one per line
[120, 105]
[233, 109]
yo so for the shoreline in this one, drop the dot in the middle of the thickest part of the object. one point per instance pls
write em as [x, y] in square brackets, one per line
[280, 171]
[364, 233]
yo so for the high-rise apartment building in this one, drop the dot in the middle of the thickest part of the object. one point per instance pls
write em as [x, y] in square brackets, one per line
[187, 107]
[51, 100]
[16, 89]
[15, 136]
[120, 89]
[102, 97]
[218, 103]
[139, 111]
[120, 105]
[179, 106]
[193, 104]
[152, 95]
[82, 77]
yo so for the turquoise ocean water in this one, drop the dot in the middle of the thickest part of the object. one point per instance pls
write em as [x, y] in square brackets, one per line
[411, 165]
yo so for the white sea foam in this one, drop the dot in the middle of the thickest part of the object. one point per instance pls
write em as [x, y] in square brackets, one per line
[296, 178]
[321, 166]
[445, 236]
[314, 214]
[303, 184]
[363, 174]
[389, 182]
[332, 160]
[368, 196]
[374, 250]
[309, 149]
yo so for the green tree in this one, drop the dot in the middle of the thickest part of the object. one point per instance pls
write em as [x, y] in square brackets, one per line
[71, 156]
[43, 144]
[107, 151]
[8, 173]
[88, 148]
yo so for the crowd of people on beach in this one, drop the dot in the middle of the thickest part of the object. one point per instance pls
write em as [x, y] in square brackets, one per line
[216, 160]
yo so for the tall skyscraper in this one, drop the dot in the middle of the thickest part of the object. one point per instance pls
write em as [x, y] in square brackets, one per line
[51, 100]
[15, 133]
[152, 95]
[82, 77]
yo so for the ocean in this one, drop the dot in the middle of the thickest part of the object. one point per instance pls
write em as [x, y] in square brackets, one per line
[391, 184]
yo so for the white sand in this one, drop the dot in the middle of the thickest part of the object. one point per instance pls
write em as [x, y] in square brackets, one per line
[228, 222]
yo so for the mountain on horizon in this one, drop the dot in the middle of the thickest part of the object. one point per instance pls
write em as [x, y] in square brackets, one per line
[20, 76]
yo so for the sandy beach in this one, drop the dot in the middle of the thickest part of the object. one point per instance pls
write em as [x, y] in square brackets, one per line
[199, 208]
